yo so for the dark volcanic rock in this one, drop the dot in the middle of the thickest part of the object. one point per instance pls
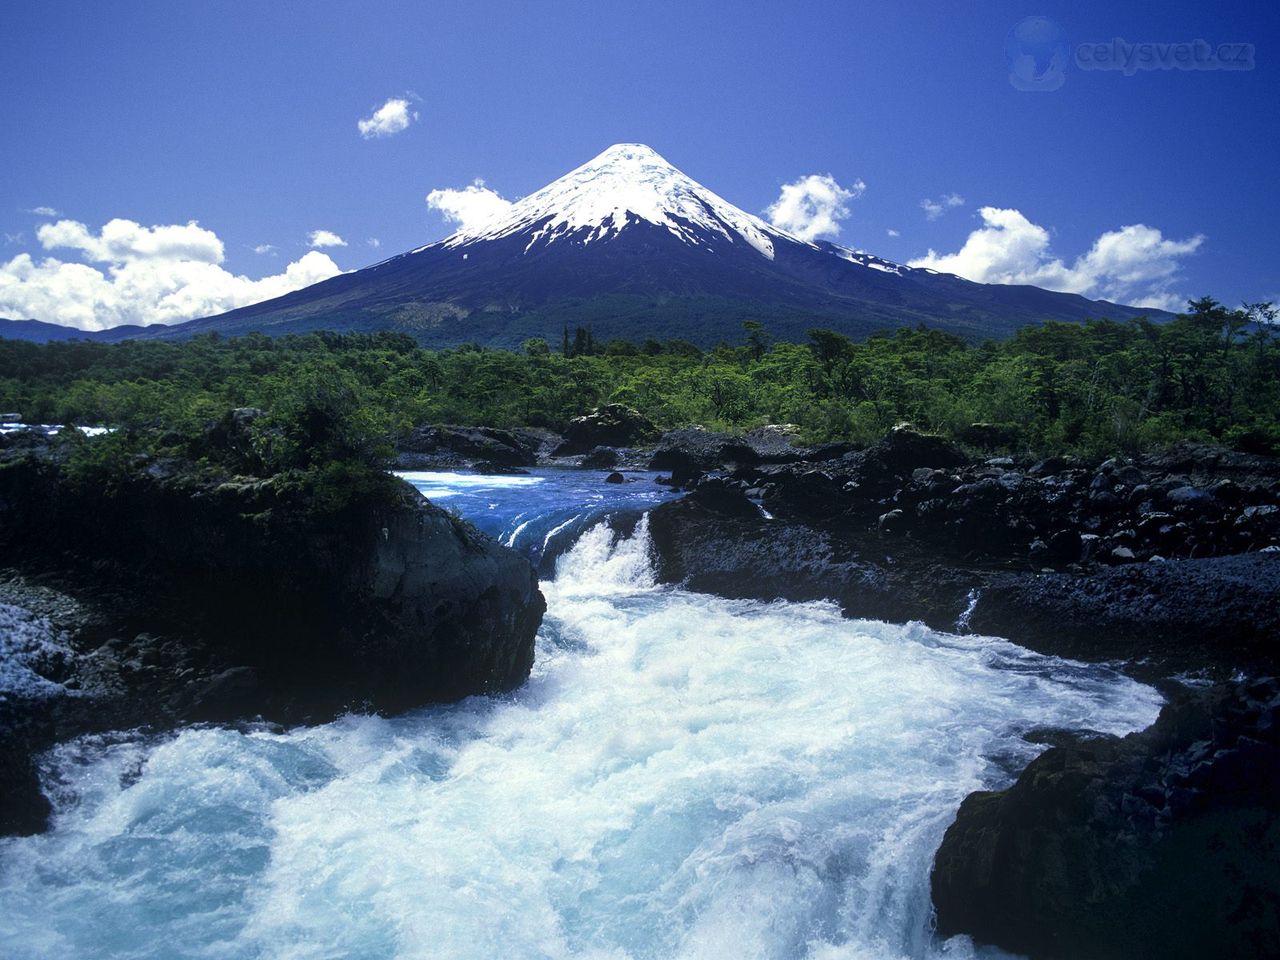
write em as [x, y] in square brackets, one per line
[884, 521]
[1221, 609]
[612, 425]
[1164, 844]
[24, 809]
[904, 450]
[601, 458]
[444, 445]
[716, 540]
[221, 598]
[388, 600]
[1055, 513]
[1199, 460]
[489, 468]
[691, 451]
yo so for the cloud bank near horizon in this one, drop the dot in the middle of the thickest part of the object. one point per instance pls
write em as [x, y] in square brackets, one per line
[138, 275]
[1135, 264]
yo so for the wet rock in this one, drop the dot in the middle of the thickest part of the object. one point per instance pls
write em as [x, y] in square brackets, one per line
[716, 540]
[1189, 459]
[601, 458]
[1189, 612]
[445, 446]
[615, 477]
[1188, 496]
[692, 451]
[233, 692]
[892, 522]
[1048, 468]
[24, 809]
[224, 598]
[1162, 844]
[489, 468]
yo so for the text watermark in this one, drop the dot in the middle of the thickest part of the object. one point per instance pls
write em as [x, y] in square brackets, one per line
[1039, 55]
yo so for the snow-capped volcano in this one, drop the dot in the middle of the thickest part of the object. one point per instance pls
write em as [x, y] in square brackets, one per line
[629, 245]
[625, 184]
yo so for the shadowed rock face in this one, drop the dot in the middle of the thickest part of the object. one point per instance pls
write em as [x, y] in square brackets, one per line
[1163, 844]
[215, 598]
[443, 446]
[908, 530]
[718, 541]
[1192, 611]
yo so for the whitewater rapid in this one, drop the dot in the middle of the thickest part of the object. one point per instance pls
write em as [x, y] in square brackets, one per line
[682, 777]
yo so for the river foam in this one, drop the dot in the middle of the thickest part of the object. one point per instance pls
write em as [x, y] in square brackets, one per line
[682, 777]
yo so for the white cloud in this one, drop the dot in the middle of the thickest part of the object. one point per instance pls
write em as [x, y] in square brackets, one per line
[325, 238]
[813, 206]
[263, 248]
[126, 241]
[14, 238]
[374, 242]
[390, 118]
[892, 232]
[1136, 264]
[471, 208]
[43, 211]
[933, 209]
[161, 274]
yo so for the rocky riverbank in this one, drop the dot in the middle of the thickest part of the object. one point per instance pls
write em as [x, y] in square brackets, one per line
[1140, 559]
[1163, 844]
[184, 593]
[1170, 558]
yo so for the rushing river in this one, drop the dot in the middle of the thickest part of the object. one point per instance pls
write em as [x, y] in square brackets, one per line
[682, 776]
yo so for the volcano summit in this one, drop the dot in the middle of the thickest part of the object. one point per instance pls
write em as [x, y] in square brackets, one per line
[634, 248]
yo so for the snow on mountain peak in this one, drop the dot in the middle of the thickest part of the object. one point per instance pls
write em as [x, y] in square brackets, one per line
[626, 184]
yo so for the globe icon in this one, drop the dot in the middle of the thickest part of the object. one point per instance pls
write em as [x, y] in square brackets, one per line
[1038, 53]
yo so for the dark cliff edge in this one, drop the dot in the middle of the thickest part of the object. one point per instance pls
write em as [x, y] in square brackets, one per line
[1165, 843]
[1169, 562]
[182, 593]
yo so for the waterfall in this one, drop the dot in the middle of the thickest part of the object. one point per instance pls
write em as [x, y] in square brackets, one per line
[683, 776]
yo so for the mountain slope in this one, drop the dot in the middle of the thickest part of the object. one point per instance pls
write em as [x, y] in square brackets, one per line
[631, 246]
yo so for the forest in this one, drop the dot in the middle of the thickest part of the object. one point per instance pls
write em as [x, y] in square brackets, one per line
[1100, 388]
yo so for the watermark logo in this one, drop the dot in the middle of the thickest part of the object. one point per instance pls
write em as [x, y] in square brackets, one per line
[1039, 55]
[1129, 58]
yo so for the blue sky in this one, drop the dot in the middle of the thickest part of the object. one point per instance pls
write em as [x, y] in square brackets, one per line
[243, 116]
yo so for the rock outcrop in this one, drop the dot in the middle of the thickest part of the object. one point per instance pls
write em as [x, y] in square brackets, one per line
[1189, 502]
[1163, 844]
[445, 446]
[206, 596]
[1180, 613]
[690, 452]
[716, 540]
[613, 425]
[910, 529]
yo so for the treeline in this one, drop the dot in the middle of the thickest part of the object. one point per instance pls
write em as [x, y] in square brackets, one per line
[1096, 388]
